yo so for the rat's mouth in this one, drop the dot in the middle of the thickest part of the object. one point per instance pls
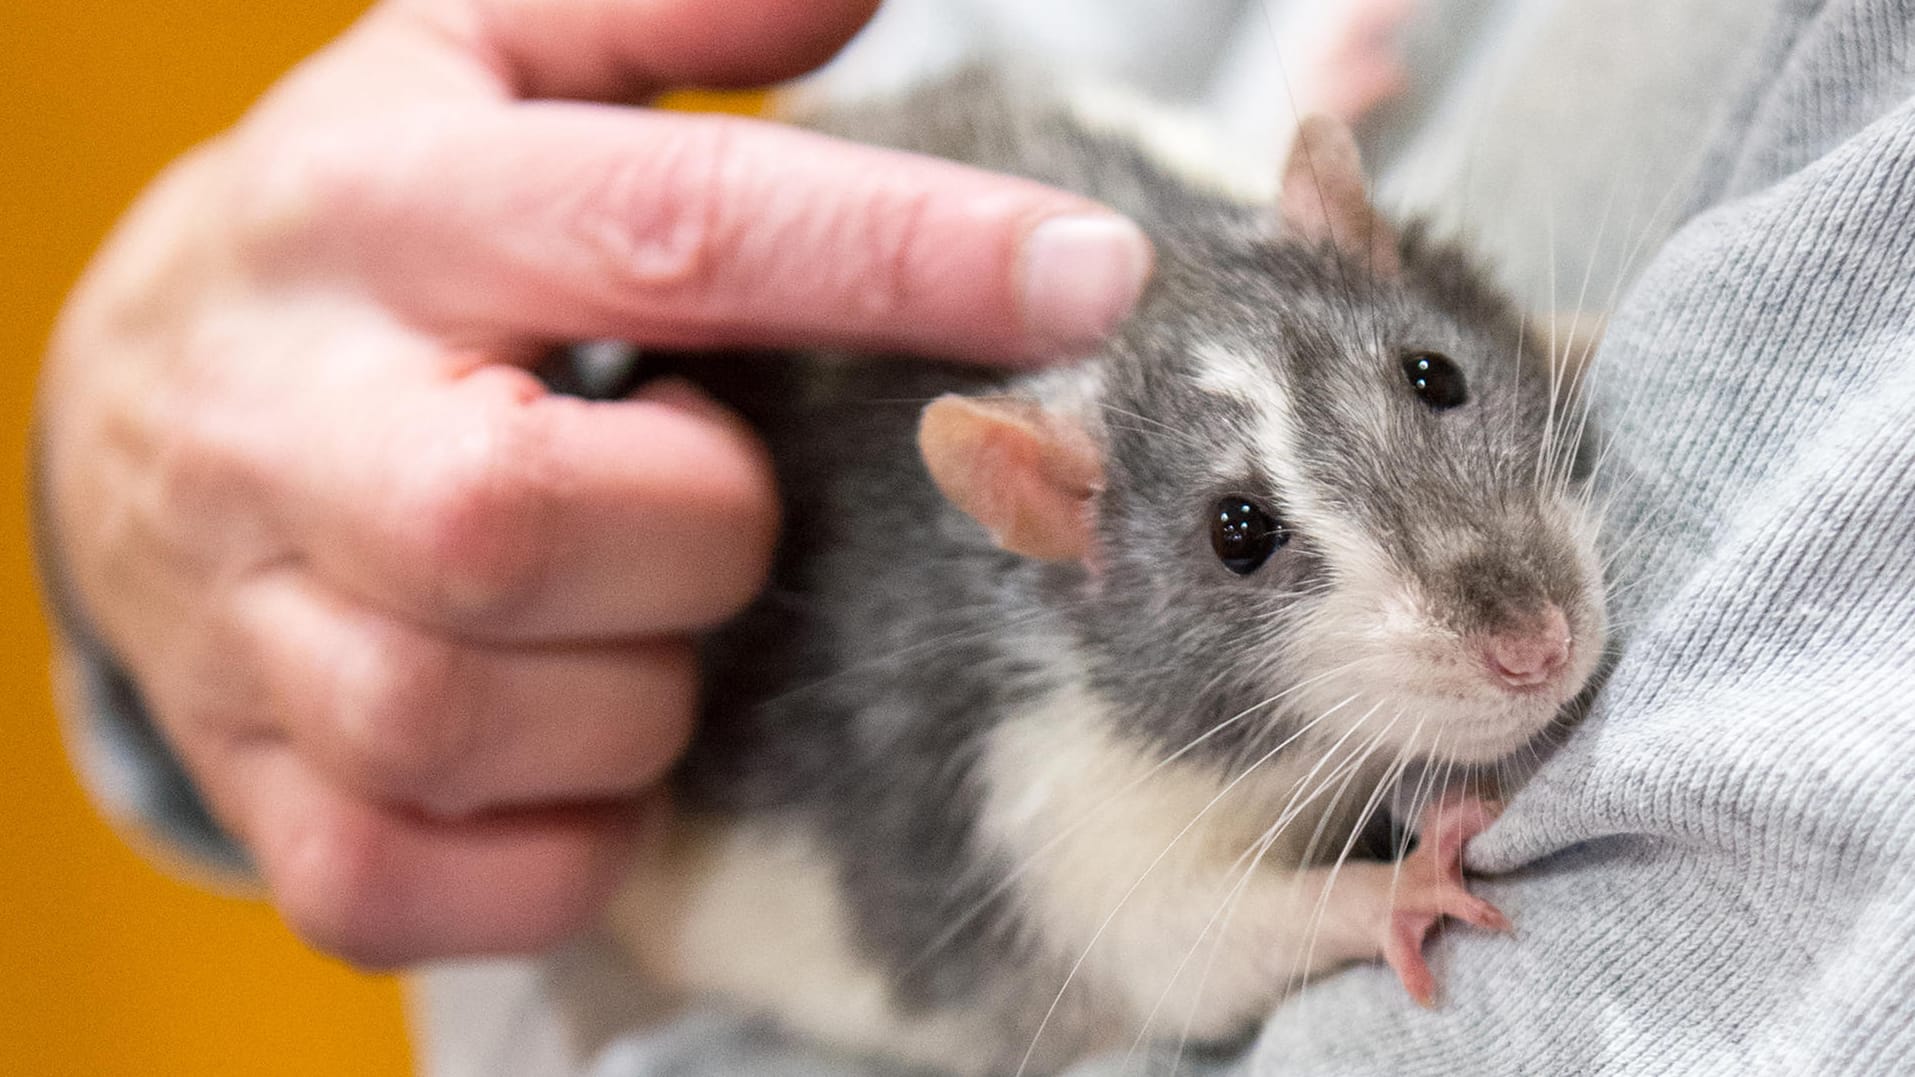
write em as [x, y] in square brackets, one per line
[1475, 695]
[1472, 712]
[1486, 737]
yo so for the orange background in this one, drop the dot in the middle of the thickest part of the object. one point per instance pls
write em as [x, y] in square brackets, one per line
[108, 966]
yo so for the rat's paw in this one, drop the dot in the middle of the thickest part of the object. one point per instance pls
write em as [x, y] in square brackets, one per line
[1429, 886]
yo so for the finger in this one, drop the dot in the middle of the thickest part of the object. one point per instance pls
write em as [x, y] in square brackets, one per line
[485, 506]
[385, 887]
[620, 49]
[1403, 951]
[1471, 909]
[579, 221]
[409, 717]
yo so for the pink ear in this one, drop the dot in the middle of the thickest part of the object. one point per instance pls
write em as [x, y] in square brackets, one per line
[1325, 197]
[1030, 477]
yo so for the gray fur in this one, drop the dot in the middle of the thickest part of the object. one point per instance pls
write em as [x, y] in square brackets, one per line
[853, 696]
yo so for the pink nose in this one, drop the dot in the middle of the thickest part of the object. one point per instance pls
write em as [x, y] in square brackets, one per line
[1531, 655]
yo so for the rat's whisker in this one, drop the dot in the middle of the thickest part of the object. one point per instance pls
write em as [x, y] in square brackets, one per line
[1092, 813]
[1123, 899]
[1253, 853]
[1350, 767]
[1385, 782]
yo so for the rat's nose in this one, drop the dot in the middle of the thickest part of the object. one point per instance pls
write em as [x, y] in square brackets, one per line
[1531, 655]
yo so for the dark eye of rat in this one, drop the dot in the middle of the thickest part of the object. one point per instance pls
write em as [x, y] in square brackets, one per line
[1436, 380]
[1244, 535]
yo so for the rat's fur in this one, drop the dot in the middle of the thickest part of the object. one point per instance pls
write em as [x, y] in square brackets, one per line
[930, 783]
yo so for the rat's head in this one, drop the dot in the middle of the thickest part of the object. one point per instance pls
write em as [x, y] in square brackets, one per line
[1321, 478]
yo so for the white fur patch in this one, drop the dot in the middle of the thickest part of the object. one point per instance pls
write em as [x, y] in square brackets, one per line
[754, 912]
[1244, 378]
[1279, 449]
[1129, 867]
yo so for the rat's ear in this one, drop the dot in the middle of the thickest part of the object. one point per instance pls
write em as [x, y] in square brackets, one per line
[1325, 197]
[1029, 476]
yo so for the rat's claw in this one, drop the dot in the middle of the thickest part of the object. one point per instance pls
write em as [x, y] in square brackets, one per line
[1403, 950]
[1430, 887]
[1473, 910]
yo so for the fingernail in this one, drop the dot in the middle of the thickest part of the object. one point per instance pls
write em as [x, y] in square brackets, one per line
[1082, 274]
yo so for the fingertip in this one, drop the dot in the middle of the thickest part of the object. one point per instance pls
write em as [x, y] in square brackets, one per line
[1416, 978]
[668, 708]
[738, 472]
[642, 823]
[604, 858]
[1080, 275]
[681, 394]
[653, 815]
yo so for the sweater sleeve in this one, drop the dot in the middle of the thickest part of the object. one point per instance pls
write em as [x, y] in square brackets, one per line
[131, 772]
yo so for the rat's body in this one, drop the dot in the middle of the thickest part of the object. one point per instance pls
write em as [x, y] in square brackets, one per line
[944, 767]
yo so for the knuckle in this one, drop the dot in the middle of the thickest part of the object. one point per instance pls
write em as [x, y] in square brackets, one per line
[397, 722]
[891, 235]
[473, 520]
[573, 902]
[296, 181]
[287, 180]
[207, 466]
[656, 224]
[195, 462]
[730, 591]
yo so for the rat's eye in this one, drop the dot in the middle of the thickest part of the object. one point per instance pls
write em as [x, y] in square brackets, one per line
[1436, 380]
[1244, 535]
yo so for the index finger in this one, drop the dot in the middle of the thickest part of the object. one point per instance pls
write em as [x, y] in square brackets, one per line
[572, 221]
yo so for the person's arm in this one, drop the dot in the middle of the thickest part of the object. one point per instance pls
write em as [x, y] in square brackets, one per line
[417, 629]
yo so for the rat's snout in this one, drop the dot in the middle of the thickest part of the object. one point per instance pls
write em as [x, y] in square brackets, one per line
[1530, 652]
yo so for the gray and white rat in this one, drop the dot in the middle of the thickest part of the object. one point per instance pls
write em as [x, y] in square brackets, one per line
[1073, 692]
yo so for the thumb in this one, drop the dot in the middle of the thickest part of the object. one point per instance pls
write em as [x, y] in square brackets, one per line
[629, 49]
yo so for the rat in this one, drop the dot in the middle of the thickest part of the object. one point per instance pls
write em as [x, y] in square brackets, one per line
[1075, 694]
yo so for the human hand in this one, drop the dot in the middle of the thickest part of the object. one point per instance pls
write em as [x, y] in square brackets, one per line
[419, 629]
